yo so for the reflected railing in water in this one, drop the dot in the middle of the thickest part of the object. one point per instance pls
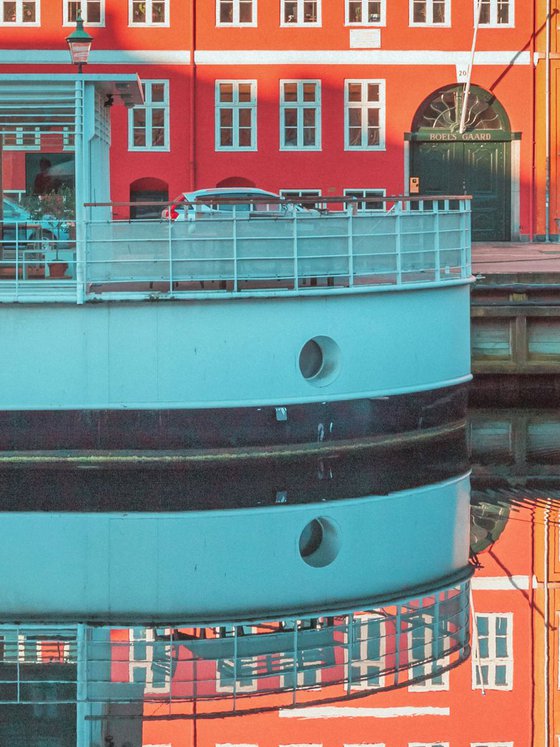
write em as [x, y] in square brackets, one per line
[227, 666]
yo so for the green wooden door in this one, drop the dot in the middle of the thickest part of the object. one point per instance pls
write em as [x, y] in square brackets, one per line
[481, 169]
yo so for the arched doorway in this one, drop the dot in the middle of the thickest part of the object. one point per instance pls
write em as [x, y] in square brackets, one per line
[148, 189]
[476, 162]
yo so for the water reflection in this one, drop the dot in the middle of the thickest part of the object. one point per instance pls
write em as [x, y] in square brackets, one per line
[391, 673]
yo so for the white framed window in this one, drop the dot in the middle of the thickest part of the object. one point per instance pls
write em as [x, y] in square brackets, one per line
[368, 666]
[491, 744]
[236, 12]
[295, 194]
[368, 199]
[300, 12]
[93, 12]
[148, 124]
[365, 12]
[16, 12]
[428, 744]
[430, 12]
[300, 115]
[498, 13]
[236, 115]
[364, 113]
[493, 667]
[148, 13]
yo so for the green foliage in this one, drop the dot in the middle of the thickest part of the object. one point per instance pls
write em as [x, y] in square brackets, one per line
[59, 205]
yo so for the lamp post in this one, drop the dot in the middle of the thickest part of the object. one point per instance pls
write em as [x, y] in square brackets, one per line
[79, 43]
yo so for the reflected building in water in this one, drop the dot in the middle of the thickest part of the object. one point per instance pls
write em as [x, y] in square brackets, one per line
[354, 578]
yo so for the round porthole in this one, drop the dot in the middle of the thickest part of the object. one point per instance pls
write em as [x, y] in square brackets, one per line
[319, 360]
[319, 542]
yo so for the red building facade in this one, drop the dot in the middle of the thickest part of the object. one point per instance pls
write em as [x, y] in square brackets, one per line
[323, 96]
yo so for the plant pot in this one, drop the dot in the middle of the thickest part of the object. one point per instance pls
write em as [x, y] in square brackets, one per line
[58, 269]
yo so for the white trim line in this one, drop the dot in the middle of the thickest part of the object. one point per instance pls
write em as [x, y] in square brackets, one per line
[99, 57]
[357, 57]
[350, 712]
[501, 583]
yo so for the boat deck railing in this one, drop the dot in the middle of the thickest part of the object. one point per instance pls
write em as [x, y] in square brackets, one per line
[240, 247]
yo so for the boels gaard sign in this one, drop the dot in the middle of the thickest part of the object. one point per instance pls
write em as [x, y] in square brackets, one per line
[458, 137]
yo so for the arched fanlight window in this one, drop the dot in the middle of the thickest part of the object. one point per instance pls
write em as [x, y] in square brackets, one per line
[442, 111]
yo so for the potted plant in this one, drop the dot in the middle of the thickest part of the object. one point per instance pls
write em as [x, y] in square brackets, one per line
[53, 217]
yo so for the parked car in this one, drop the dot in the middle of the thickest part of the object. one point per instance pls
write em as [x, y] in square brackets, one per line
[184, 209]
[40, 232]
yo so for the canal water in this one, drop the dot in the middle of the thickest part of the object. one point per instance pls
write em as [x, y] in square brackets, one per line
[501, 690]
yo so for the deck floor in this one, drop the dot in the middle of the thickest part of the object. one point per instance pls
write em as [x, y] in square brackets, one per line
[505, 257]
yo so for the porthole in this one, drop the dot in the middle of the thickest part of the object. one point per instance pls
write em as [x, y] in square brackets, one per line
[319, 360]
[319, 542]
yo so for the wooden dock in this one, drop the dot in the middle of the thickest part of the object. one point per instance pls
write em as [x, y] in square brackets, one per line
[515, 314]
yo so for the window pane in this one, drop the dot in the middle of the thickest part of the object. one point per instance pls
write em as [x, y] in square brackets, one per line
[501, 626]
[138, 12]
[226, 92]
[482, 625]
[355, 136]
[244, 138]
[139, 117]
[290, 136]
[503, 11]
[226, 117]
[438, 11]
[158, 117]
[373, 92]
[485, 12]
[29, 12]
[355, 11]
[246, 11]
[73, 11]
[158, 92]
[483, 648]
[309, 91]
[244, 92]
[374, 11]
[93, 13]
[158, 136]
[290, 11]
[355, 117]
[354, 92]
[9, 15]
[290, 91]
[501, 675]
[226, 137]
[419, 11]
[226, 11]
[373, 136]
[158, 12]
[139, 138]
[501, 648]
[310, 11]
[309, 117]
[309, 136]
[245, 117]
[373, 117]
[290, 117]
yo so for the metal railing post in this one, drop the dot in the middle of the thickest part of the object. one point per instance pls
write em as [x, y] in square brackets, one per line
[82, 727]
[295, 672]
[437, 243]
[350, 645]
[351, 248]
[235, 257]
[170, 254]
[295, 235]
[398, 247]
